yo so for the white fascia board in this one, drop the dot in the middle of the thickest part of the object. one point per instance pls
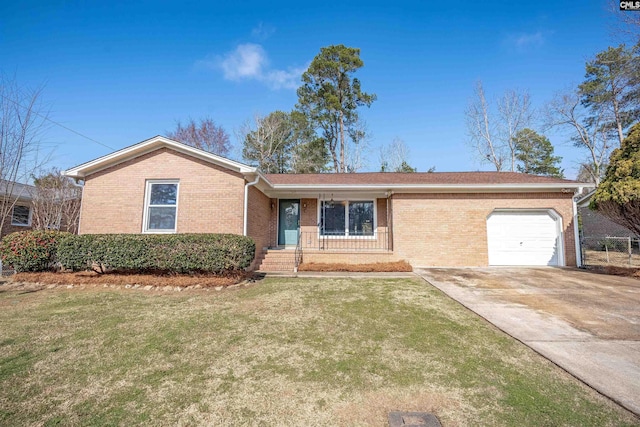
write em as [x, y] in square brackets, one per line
[148, 146]
[584, 200]
[431, 188]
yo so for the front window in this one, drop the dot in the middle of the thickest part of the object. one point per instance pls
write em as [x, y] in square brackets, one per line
[21, 216]
[347, 218]
[161, 206]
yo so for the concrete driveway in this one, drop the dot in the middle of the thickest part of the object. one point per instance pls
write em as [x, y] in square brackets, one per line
[587, 323]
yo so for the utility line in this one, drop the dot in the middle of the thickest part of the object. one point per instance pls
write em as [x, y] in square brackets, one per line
[56, 123]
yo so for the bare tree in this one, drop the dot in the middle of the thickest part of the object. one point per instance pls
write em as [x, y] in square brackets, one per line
[22, 121]
[357, 146]
[204, 134]
[626, 24]
[492, 135]
[482, 131]
[395, 157]
[55, 202]
[267, 141]
[514, 109]
[585, 130]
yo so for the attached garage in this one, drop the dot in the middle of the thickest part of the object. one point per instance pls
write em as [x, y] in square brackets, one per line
[525, 237]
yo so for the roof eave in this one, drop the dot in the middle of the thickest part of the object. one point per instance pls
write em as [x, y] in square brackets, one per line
[567, 187]
[147, 146]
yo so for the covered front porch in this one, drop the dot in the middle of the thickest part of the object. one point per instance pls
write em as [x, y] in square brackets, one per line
[351, 228]
[333, 223]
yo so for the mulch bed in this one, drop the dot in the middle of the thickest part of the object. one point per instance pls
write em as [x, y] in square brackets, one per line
[616, 271]
[378, 267]
[92, 278]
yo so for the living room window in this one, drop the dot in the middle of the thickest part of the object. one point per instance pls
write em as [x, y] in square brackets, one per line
[21, 216]
[161, 206]
[347, 218]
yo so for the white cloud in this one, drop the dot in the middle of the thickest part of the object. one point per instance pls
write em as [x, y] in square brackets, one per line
[525, 41]
[249, 61]
[280, 79]
[262, 31]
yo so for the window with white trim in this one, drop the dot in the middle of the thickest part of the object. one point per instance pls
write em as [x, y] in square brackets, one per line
[161, 206]
[21, 216]
[347, 218]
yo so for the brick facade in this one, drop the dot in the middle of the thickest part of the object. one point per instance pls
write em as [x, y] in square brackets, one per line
[429, 229]
[451, 229]
[258, 220]
[210, 198]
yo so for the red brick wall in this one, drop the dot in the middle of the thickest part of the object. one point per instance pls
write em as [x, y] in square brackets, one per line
[451, 229]
[210, 199]
[258, 219]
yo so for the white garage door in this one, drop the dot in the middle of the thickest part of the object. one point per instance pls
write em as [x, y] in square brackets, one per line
[523, 238]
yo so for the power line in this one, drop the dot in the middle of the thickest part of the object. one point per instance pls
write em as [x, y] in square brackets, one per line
[57, 123]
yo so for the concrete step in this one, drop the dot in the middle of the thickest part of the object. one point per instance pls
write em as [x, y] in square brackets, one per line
[277, 260]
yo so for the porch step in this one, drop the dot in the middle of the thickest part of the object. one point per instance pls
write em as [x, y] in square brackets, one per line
[278, 260]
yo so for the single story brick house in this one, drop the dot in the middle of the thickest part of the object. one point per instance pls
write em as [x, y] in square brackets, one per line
[428, 219]
[19, 208]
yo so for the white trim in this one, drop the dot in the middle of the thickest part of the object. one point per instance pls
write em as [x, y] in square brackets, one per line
[559, 228]
[148, 146]
[29, 218]
[246, 203]
[584, 200]
[576, 233]
[568, 187]
[147, 199]
[347, 236]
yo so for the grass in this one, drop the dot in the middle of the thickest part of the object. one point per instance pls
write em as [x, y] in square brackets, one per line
[279, 352]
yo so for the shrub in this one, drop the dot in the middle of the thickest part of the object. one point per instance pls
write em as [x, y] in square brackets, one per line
[31, 250]
[150, 253]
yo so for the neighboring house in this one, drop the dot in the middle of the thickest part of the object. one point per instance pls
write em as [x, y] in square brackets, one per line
[17, 199]
[597, 226]
[428, 219]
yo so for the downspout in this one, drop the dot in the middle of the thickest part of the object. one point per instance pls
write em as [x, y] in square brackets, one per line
[246, 203]
[389, 221]
[81, 202]
[576, 228]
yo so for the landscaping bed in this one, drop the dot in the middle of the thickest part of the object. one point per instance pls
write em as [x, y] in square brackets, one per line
[379, 267]
[173, 280]
[616, 270]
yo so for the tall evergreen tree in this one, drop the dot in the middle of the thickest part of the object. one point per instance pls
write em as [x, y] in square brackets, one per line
[534, 153]
[612, 86]
[330, 97]
[618, 195]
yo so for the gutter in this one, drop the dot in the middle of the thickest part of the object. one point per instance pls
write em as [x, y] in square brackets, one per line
[563, 187]
[246, 202]
[576, 229]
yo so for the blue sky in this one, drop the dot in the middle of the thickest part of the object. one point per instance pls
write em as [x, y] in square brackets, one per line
[121, 72]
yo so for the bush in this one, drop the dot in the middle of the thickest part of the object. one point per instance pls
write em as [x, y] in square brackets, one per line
[31, 250]
[153, 253]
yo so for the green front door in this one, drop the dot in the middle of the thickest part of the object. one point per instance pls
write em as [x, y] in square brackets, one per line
[289, 222]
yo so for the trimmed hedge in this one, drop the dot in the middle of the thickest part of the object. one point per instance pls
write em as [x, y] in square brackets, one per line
[156, 253]
[31, 250]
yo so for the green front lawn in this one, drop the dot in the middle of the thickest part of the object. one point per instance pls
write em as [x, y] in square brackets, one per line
[280, 352]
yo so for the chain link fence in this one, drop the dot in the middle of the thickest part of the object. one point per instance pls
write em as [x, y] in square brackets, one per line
[611, 251]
